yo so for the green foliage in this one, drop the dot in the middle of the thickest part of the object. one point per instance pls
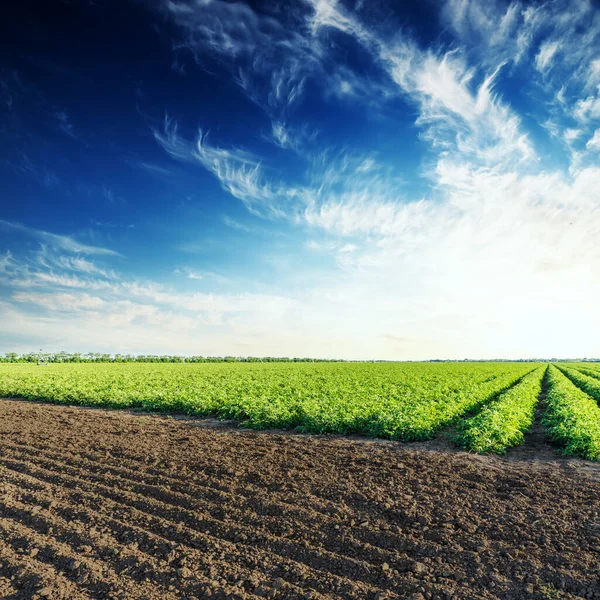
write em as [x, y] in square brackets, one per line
[404, 401]
[590, 385]
[98, 357]
[503, 423]
[589, 371]
[572, 416]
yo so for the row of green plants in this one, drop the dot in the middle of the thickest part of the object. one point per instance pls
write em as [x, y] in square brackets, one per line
[572, 415]
[409, 422]
[503, 423]
[595, 373]
[587, 382]
[405, 401]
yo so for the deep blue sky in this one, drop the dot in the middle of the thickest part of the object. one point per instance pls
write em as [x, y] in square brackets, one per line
[352, 179]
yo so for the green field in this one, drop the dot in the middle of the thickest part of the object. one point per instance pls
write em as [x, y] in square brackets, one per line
[491, 405]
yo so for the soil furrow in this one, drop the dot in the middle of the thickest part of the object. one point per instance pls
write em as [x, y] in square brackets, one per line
[163, 559]
[33, 533]
[29, 574]
[216, 482]
[29, 578]
[324, 534]
[194, 513]
[225, 490]
[203, 539]
[78, 532]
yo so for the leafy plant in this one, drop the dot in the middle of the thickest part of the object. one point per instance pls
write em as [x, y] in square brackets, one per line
[502, 423]
[572, 416]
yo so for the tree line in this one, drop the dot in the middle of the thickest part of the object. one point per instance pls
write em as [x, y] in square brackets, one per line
[99, 357]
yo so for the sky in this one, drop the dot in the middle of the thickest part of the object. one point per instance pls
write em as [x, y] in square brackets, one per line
[359, 179]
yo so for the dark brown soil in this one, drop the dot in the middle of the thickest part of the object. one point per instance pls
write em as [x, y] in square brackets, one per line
[97, 504]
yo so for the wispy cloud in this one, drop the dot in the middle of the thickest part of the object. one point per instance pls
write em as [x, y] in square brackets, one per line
[61, 241]
[113, 225]
[455, 112]
[42, 174]
[108, 194]
[458, 106]
[51, 261]
[190, 273]
[544, 57]
[150, 167]
[61, 301]
[239, 172]
[203, 275]
[343, 192]
[64, 295]
[235, 224]
[272, 58]
[6, 260]
[594, 142]
[64, 123]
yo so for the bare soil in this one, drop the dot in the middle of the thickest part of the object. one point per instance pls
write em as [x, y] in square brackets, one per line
[100, 504]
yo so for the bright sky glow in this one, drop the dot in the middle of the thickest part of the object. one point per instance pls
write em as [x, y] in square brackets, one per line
[332, 179]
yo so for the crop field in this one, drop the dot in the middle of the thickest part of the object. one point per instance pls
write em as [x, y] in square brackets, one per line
[120, 504]
[490, 405]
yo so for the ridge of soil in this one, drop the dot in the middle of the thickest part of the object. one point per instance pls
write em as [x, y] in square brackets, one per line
[105, 504]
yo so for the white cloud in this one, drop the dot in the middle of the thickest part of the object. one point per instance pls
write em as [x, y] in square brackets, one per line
[60, 301]
[593, 74]
[235, 224]
[51, 260]
[190, 273]
[543, 60]
[53, 303]
[271, 55]
[451, 107]
[486, 128]
[6, 261]
[586, 109]
[290, 138]
[281, 135]
[481, 274]
[240, 175]
[60, 241]
[238, 171]
[171, 141]
[499, 260]
[196, 275]
[594, 142]
[358, 214]
[557, 40]
[571, 134]
[488, 25]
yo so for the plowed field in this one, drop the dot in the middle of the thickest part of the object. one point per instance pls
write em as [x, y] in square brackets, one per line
[97, 504]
